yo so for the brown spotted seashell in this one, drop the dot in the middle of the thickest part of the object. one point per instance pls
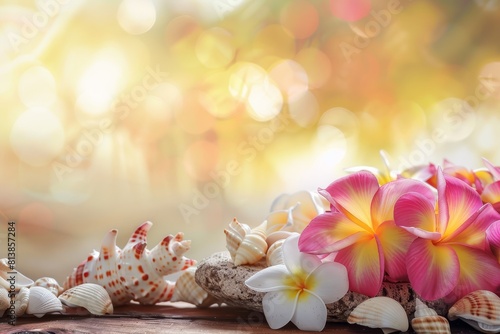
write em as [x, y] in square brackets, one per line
[93, 297]
[427, 321]
[134, 272]
[50, 284]
[246, 246]
[480, 309]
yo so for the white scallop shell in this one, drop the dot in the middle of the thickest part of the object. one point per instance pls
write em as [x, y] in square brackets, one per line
[480, 309]
[93, 297]
[187, 290]
[50, 284]
[246, 246]
[42, 301]
[4, 301]
[6, 273]
[427, 321]
[21, 301]
[380, 312]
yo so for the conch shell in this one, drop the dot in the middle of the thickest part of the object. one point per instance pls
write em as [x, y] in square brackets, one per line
[427, 321]
[480, 309]
[134, 272]
[246, 246]
[187, 290]
[93, 297]
[5, 274]
[380, 312]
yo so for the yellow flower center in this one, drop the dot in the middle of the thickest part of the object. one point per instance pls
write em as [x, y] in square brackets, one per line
[298, 282]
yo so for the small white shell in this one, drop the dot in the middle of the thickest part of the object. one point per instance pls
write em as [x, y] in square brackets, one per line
[380, 312]
[427, 321]
[21, 301]
[246, 246]
[480, 309]
[6, 273]
[274, 254]
[50, 284]
[4, 301]
[90, 296]
[42, 301]
[187, 290]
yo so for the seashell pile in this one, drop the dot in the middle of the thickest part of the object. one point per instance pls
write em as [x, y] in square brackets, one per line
[380, 312]
[134, 272]
[480, 309]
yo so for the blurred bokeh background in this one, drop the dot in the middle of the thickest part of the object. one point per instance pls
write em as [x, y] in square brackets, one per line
[188, 113]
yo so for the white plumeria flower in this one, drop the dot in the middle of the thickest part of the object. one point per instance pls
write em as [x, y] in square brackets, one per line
[298, 290]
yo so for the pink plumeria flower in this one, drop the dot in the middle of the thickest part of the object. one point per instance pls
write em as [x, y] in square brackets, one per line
[298, 290]
[493, 238]
[491, 192]
[362, 229]
[450, 256]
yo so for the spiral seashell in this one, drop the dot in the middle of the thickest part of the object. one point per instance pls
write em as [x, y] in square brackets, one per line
[134, 272]
[274, 254]
[427, 321]
[93, 297]
[42, 301]
[50, 284]
[246, 246]
[6, 273]
[480, 309]
[187, 290]
[4, 301]
[21, 301]
[380, 312]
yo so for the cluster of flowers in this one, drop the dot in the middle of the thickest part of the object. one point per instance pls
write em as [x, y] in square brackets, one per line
[437, 228]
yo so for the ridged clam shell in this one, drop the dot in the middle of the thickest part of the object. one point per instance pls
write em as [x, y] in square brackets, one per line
[42, 301]
[427, 321]
[4, 301]
[21, 301]
[187, 290]
[380, 312]
[246, 246]
[50, 284]
[90, 296]
[480, 309]
[5, 274]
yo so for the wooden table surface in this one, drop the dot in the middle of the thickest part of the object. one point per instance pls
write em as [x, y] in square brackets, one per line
[173, 318]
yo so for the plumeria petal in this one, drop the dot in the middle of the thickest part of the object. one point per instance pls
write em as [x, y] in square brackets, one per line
[433, 270]
[328, 233]
[462, 202]
[352, 195]
[365, 265]
[382, 206]
[278, 308]
[495, 171]
[329, 281]
[493, 238]
[443, 211]
[298, 263]
[416, 213]
[269, 279]
[479, 270]
[310, 314]
[491, 193]
[395, 242]
[471, 232]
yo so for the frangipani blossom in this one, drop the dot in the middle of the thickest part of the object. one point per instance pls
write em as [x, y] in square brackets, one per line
[298, 290]
[493, 237]
[491, 192]
[450, 256]
[362, 231]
